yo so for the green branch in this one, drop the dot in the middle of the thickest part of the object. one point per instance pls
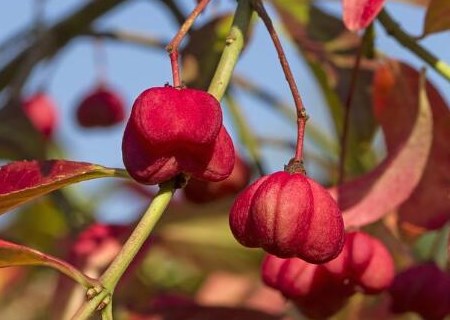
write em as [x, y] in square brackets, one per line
[234, 45]
[394, 29]
[129, 250]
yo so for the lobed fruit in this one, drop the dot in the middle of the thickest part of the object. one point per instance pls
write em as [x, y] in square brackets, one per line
[319, 291]
[199, 191]
[42, 113]
[289, 215]
[173, 131]
[100, 108]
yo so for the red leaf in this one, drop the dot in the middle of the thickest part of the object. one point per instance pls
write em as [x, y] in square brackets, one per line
[12, 254]
[369, 197]
[358, 14]
[437, 17]
[23, 181]
[395, 108]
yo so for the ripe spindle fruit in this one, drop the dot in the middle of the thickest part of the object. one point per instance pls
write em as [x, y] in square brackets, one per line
[176, 131]
[289, 215]
[42, 113]
[101, 108]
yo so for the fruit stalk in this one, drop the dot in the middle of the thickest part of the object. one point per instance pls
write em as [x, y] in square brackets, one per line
[301, 111]
[172, 47]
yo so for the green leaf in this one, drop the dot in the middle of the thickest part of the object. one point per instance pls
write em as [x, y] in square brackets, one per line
[22, 181]
[437, 17]
[12, 254]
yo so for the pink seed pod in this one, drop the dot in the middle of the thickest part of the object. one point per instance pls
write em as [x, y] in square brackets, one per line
[100, 108]
[42, 113]
[319, 291]
[364, 261]
[315, 291]
[173, 131]
[200, 191]
[289, 215]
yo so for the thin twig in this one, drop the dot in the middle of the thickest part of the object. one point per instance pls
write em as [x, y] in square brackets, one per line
[393, 29]
[347, 108]
[172, 47]
[130, 37]
[301, 111]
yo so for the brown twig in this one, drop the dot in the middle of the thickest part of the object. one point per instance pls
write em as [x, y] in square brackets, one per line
[172, 47]
[301, 111]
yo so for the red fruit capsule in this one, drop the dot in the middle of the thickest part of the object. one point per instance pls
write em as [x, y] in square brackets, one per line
[199, 191]
[315, 291]
[101, 108]
[173, 131]
[365, 262]
[42, 113]
[289, 215]
[319, 291]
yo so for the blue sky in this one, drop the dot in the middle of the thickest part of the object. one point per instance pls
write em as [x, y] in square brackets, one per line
[131, 69]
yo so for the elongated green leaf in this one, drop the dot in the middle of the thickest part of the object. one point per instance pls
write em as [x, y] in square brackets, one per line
[12, 254]
[369, 197]
[23, 181]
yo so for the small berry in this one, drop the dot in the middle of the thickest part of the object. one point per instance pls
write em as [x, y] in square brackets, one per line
[100, 108]
[289, 215]
[199, 191]
[173, 131]
[424, 289]
[42, 113]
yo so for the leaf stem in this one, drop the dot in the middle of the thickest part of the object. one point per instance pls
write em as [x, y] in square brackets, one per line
[301, 111]
[129, 250]
[394, 30]
[234, 45]
[172, 47]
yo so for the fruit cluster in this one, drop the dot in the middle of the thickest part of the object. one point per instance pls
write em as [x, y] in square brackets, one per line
[176, 131]
[321, 290]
